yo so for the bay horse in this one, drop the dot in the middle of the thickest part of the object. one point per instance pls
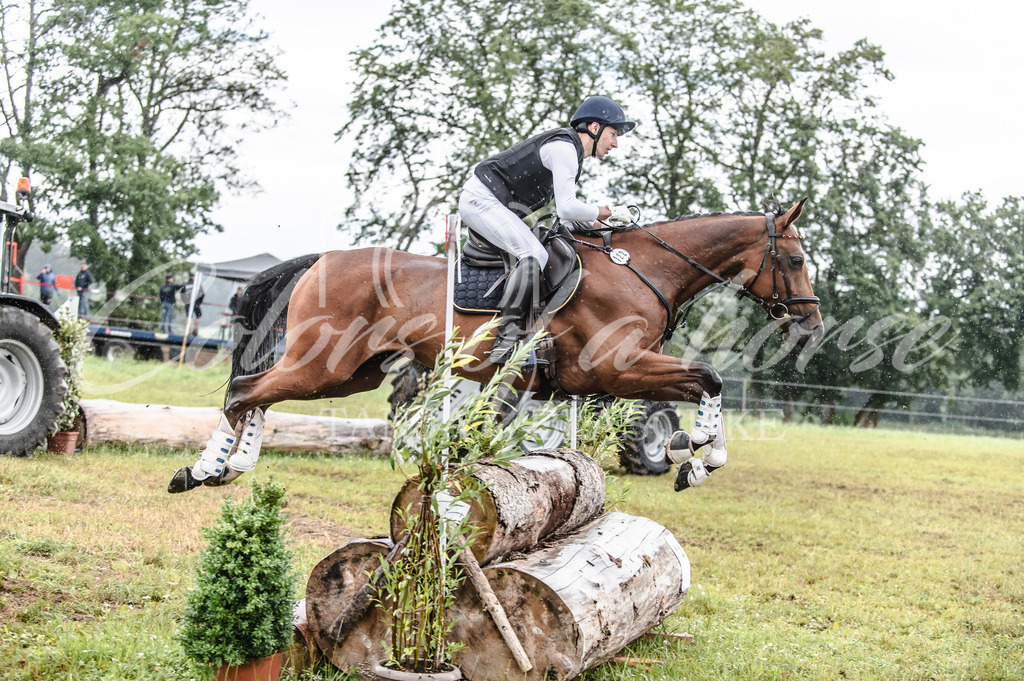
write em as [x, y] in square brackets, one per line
[350, 314]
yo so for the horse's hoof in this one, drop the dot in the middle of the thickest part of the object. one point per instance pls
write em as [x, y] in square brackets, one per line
[690, 474]
[681, 477]
[182, 481]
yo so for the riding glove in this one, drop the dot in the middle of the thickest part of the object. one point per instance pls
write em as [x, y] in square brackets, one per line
[621, 215]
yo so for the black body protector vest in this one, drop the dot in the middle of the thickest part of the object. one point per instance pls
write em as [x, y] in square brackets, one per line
[517, 177]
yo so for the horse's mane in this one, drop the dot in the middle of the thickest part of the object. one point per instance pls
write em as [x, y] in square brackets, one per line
[703, 215]
[771, 205]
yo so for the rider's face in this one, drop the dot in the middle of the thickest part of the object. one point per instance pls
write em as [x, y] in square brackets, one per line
[609, 140]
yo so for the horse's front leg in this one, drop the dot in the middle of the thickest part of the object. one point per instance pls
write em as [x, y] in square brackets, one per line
[660, 377]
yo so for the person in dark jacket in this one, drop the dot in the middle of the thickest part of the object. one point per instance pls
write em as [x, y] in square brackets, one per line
[186, 296]
[511, 185]
[47, 284]
[83, 280]
[167, 293]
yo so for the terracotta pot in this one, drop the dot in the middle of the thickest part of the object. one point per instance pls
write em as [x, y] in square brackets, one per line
[266, 669]
[382, 672]
[62, 442]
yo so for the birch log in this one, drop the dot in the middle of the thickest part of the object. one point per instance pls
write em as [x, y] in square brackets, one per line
[576, 603]
[545, 493]
[573, 604]
[190, 428]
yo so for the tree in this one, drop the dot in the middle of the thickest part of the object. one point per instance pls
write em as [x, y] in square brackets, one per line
[448, 83]
[136, 124]
[978, 283]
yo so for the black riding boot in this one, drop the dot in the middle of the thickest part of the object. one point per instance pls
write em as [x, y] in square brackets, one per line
[516, 305]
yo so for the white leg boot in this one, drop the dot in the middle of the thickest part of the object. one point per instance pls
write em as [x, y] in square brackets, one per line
[249, 443]
[709, 418]
[214, 458]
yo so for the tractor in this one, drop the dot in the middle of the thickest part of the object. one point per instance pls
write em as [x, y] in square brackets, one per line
[32, 385]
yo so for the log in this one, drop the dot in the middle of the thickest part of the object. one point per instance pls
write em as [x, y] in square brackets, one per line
[578, 602]
[332, 585]
[190, 428]
[572, 605]
[545, 493]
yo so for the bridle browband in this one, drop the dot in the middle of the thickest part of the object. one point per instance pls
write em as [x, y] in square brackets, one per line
[776, 309]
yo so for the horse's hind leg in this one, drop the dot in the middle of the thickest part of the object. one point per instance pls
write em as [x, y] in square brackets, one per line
[234, 447]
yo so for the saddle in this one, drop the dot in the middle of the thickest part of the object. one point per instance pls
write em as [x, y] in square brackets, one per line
[482, 270]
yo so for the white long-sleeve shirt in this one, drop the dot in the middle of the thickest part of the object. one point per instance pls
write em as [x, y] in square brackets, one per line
[559, 156]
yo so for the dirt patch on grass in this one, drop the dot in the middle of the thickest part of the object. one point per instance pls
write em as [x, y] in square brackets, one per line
[15, 594]
[313, 530]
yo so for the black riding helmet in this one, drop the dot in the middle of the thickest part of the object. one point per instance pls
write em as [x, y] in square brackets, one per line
[604, 111]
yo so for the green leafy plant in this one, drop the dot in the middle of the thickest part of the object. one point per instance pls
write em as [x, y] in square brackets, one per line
[602, 427]
[72, 336]
[241, 607]
[418, 586]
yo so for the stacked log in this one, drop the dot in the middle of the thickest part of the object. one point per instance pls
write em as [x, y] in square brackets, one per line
[578, 585]
[542, 494]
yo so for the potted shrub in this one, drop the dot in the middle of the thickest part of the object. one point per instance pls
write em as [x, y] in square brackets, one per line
[239, 615]
[416, 589]
[72, 336]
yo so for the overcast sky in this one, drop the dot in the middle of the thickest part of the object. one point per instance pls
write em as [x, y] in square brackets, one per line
[958, 87]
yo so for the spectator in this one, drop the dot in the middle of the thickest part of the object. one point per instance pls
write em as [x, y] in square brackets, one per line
[186, 296]
[83, 280]
[233, 303]
[167, 292]
[47, 282]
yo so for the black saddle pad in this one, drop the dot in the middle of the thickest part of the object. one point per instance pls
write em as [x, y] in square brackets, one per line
[472, 297]
[472, 285]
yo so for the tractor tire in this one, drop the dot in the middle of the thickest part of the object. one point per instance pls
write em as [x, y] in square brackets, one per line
[643, 452]
[32, 385]
[545, 437]
[404, 386]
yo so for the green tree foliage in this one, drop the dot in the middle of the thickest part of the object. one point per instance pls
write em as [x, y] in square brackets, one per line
[448, 83]
[241, 607]
[977, 282]
[136, 104]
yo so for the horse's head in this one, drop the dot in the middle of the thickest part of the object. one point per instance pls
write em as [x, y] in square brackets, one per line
[782, 285]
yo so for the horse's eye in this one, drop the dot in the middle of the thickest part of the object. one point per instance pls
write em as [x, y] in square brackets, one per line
[796, 261]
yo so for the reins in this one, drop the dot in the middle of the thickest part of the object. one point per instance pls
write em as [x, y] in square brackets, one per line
[776, 309]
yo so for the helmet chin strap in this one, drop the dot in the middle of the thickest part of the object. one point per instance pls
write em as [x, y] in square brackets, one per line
[600, 131]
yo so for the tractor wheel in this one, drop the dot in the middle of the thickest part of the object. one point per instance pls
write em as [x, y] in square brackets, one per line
[404, 386]
[32, 385]
[643, 452]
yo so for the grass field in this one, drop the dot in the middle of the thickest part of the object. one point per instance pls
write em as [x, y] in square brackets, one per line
[816, 553]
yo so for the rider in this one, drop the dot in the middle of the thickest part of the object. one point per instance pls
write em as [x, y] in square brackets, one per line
[520, 180]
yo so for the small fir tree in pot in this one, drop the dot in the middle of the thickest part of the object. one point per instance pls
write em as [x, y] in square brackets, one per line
[417, 588]
[241, 608]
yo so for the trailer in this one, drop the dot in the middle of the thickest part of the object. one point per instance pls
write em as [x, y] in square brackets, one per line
[118, 342]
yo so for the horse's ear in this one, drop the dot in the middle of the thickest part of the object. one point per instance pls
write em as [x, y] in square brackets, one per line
[793, 213]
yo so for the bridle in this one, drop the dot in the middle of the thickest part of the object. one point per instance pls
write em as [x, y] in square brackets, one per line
[776, 309]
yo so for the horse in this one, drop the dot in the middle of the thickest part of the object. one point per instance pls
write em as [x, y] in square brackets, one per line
[352, 313]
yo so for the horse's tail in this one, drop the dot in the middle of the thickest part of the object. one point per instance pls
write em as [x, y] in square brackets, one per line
[261, 316]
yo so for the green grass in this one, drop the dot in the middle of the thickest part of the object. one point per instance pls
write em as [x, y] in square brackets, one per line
[816, 554]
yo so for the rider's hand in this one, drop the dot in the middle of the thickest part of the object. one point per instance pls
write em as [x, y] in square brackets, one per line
[621, 215]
